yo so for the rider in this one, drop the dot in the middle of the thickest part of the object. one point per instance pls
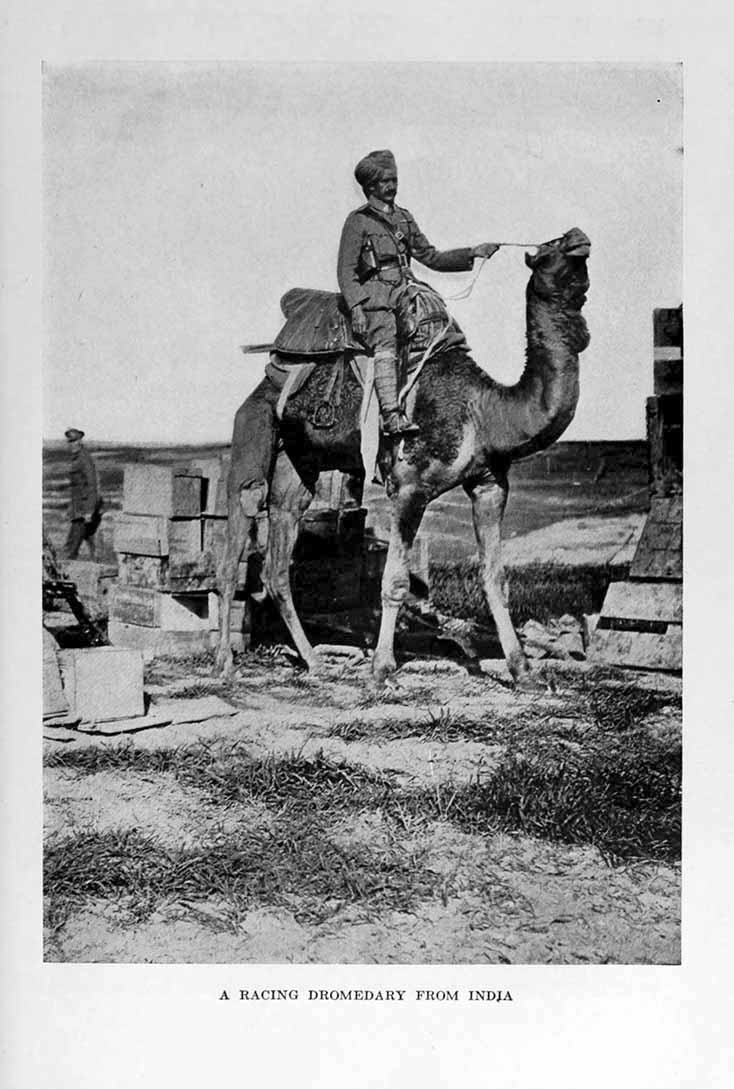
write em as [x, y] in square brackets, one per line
[377, 244]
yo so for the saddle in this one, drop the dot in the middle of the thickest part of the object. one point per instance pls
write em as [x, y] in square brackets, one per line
[317, 324]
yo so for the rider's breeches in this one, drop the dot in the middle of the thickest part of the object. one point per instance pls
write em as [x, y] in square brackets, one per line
[382, 337]
[253, 445]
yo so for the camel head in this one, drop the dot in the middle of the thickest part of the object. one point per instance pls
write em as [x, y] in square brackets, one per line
[559, 269]
[560, 277]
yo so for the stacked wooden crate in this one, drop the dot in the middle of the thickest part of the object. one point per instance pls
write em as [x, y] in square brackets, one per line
[166, 537]
[169, 539]
[641, 622]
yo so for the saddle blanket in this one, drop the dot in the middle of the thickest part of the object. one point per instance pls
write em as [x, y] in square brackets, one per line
[317, 325]
[290, 377]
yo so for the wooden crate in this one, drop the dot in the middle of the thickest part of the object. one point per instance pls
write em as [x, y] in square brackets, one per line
[659, 553]
[642, 603]
[639, 650]
[334, 582]
[162, 490]
[214, 536]
[140, 534]
[184, 538]
[150, 572]
[150, 608]
[214, 477]
[103, 683]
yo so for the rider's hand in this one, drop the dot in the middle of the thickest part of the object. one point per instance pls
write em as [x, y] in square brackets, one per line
[359, 320]
[485, 249]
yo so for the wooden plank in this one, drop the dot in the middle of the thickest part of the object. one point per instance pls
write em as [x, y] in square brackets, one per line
[644, 601]
[639, 650]
[140, 534]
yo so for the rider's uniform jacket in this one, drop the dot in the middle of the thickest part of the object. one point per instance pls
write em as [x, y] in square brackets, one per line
[375, 252]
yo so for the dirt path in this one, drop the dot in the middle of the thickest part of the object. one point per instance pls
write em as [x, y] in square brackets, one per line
[353, 842]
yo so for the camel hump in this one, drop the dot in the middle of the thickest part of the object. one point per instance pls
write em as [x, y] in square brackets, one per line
[317, 323]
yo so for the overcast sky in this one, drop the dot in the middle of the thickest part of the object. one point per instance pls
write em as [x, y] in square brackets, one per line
[181, 202]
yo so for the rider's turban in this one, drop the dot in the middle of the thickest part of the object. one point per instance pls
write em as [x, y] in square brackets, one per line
[373, 166]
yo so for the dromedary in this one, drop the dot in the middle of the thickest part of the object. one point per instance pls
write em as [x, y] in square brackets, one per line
[471, 429]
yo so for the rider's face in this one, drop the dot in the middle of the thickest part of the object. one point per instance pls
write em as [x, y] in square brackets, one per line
[385, 188]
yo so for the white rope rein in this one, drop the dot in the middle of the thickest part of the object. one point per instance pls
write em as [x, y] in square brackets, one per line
[466, 292]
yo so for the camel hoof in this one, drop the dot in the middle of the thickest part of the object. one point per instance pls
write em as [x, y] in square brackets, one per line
[530, 682]
[383, 665]
[224, 663]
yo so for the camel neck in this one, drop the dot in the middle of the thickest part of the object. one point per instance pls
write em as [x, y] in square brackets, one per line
[539, 407]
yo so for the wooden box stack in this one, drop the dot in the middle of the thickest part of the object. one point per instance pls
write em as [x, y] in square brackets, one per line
[166, 540]
[641, 622]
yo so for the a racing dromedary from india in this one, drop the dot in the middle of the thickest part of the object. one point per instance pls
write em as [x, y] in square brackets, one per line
[471, 428]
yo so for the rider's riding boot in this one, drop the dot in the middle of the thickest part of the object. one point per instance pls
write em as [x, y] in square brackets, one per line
[394, 422]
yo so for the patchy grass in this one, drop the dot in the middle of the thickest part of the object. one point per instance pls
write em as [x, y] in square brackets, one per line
[625, 800]
[620, 793]
[587, 706]
[583, 769]
[294, 865]
[536, 591]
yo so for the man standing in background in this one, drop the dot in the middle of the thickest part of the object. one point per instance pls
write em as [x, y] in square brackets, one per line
[85, 508]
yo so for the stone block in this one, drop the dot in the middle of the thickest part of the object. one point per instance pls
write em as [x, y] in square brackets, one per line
[103, 683]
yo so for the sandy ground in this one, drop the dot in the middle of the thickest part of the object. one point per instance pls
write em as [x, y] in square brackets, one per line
[495, 898]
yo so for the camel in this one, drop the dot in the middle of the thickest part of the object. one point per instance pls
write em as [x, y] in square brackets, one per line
[471, 429]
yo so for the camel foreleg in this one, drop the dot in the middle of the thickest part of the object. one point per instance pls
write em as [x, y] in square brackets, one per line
[489, 499]
[405, 518]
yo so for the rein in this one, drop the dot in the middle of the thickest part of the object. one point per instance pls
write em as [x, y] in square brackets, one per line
[466, 292]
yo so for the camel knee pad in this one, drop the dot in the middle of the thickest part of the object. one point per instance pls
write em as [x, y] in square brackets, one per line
[253, 499]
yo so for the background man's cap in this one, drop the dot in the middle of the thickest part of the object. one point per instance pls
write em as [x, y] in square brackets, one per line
[369, 169]
[73, 433]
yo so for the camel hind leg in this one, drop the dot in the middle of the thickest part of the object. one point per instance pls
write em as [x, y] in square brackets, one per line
[289, 499]
[240, 541]
[489, 498]
[253, 452]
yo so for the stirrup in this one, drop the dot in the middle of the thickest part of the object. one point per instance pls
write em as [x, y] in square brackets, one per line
[395, 424]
